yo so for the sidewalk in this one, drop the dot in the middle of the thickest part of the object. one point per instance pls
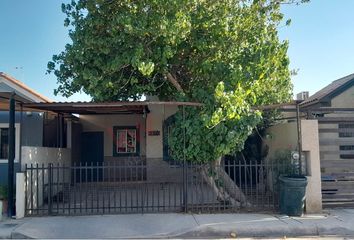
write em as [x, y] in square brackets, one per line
[339, 222]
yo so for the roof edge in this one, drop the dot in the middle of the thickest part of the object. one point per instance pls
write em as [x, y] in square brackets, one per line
[25, 87]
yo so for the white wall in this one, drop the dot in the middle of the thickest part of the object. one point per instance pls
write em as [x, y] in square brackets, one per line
[310, 145]
[45, 155]
[35, 179]
[105, 124]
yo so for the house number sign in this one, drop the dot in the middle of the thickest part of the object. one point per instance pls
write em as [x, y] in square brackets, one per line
[154, 133]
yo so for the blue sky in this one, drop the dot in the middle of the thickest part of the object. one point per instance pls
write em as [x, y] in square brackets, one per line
[321, 40]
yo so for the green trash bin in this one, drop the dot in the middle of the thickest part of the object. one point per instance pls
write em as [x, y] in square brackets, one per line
[292, 195]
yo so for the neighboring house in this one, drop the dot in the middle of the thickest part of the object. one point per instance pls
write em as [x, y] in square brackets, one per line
[28, 124]
[333, 107]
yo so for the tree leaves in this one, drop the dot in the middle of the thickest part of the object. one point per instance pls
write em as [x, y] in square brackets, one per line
[225, 54]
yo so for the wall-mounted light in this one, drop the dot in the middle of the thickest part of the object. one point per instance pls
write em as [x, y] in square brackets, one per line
[28, 114]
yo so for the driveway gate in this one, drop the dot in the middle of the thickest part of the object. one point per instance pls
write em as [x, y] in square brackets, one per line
[56, 189]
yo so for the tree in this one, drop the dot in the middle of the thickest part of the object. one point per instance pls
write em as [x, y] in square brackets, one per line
[225, 54]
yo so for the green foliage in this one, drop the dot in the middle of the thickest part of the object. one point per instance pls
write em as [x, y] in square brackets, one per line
[3, 192]
[225, 54]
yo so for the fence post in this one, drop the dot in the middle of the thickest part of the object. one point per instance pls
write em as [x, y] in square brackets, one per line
[185, 187]
[50, 185]
[20, 195]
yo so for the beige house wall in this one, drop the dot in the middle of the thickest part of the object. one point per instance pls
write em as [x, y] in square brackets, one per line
[281, 137]
[154, 122]
[310, 145]
[150, 146]
[158, 169]
[284, 137]
[345, 99]
[105, 124]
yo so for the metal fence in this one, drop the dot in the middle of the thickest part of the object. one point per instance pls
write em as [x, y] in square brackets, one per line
[81, 189]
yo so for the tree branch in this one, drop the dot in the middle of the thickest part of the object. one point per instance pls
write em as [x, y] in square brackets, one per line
[174, 82]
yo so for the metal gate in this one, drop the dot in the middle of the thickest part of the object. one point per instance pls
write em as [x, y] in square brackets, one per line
[56, 189]
[336, 136]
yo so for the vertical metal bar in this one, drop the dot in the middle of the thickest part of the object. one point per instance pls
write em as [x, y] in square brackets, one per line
[70, 178]
[86, 186]
[245, 178]
[75, 187]
[234, 170]
[114, 185]
[80, 186]
[240, 177]
[185, 190]
[92, 187]
[201, 183]
[37, 187]
[32, 208]
[273, 184]
[109, 186]
[131, 189]
[158, 197]
[57, 188]
[58, 131]
[224, 203]
[125, 187]
[299, 142]
[153, 197]
[175, 195]
[97, 186]
[120, 190]
[169, 195]
[21, 134]
[137, 196]
[263, 192]
[11, 157]
[26, 190]
[163, 196]
[43, 185]
[251, 182]
[103, 186]
[257, 183]
[50, 183]
[120, 193]
[63, 187]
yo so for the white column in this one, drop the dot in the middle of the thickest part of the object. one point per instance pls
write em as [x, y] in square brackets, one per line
[310, 145]
[20, 195]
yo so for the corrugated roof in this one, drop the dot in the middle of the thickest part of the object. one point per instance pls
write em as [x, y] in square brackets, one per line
[102, 107]
[328, 90]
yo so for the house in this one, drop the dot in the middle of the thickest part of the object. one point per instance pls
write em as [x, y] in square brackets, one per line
[28, 124]
[333, 107]
[113, 157]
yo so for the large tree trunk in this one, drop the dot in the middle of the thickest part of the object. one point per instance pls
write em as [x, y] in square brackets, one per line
[222, 185]
[174, 82]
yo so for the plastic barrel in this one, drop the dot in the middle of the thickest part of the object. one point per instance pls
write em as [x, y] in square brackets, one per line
[292, 195]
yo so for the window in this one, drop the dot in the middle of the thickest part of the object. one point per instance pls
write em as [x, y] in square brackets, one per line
[125, 141]
[346, 130]
[4, 143]
[168, 126]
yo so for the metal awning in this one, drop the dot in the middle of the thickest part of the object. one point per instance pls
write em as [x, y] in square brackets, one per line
[138, 107]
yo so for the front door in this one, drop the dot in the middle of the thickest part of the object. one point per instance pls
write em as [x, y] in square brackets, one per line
[92, 155]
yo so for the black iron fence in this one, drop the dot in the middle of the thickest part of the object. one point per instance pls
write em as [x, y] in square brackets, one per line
[233, 186]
